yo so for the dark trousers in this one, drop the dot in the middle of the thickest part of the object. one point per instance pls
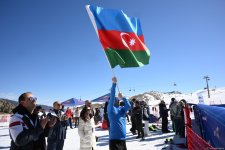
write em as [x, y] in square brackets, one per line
[173, 123]
[133, 124]
[117, 145]
[76, 122]
[55, 145]
[180, 127]
[70, 122]
[177, 125]
[140, 129]
[164, 124]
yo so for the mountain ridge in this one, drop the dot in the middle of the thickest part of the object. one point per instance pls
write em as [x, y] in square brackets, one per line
[6, 105]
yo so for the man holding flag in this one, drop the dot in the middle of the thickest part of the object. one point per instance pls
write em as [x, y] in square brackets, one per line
[123, 42]
[117, 120]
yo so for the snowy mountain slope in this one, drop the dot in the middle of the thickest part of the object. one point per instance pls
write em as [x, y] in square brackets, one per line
[217, 96]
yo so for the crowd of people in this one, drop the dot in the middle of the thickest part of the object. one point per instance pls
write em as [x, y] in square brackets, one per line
[30, 126]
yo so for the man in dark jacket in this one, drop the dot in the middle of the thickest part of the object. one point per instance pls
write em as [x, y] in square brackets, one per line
[25, 128]
[163, 111]
[137, 111]
[106, 114]
[133, 125]
[57, 134]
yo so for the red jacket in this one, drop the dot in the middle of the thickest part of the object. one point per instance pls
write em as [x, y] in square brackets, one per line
[69, 113]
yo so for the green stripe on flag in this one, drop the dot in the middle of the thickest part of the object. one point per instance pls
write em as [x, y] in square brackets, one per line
[127, 58]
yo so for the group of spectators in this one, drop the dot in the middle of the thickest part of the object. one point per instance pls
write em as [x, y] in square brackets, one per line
[115, 113]
[28, 129]
[30, 125]
[73, 116]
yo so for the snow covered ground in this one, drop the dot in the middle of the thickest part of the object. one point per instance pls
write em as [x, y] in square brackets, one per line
[217, 96]
[154, 142]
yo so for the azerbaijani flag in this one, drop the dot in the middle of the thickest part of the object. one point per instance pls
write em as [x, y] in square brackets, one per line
[121, 37]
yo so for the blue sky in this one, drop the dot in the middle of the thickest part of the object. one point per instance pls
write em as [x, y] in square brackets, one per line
[51, 49]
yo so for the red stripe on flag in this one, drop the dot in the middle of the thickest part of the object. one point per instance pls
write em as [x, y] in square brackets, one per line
[121, 40]
[14, 123]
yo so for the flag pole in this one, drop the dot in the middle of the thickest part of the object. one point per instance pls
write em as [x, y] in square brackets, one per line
[112, 72]
[114, 76]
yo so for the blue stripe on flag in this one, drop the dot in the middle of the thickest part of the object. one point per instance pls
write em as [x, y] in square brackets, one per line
[111, 19]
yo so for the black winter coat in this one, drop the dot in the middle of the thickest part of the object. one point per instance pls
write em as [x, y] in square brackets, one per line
[137, 113]
[31, 136]
[58, 131]
[163, 111]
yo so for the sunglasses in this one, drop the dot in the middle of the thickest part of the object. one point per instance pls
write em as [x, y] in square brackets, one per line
[32, 98]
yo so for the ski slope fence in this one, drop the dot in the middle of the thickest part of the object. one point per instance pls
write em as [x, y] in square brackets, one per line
[195, 142]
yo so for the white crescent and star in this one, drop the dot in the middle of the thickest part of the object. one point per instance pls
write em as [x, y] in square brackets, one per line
[131, 42]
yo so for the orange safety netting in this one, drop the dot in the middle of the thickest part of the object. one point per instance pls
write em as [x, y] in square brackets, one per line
[195, 142]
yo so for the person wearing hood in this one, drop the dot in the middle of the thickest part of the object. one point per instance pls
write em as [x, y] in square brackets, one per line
[26, 130]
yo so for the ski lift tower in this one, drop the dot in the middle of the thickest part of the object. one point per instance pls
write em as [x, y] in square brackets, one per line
[207, 79]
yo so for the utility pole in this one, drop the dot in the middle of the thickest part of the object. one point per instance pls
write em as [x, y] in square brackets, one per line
[207, 79]
[174, 84]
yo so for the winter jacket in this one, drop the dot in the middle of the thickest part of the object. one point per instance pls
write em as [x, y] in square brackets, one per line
[117, 117]
[173, 109]
[163, 111]
[69, 113]
[137, 112]
[25, 130]
[58, 131]
[77, 113]
[86, 131]
[187, 115]
[106, 111]
[180, 112]
[105, 107]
